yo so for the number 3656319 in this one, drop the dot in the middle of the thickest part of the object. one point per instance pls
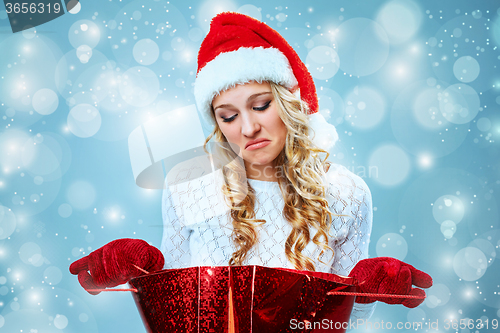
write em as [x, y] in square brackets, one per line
[470, 324]
[32, 8]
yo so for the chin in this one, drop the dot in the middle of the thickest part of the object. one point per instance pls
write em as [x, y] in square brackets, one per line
[257, 161]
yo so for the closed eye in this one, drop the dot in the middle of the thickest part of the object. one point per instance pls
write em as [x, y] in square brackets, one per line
[230, 119]
[262, 108]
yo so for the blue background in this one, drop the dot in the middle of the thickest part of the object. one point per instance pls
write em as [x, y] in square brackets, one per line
[412, 87]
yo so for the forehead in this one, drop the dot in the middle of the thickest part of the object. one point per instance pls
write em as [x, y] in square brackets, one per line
[241, 92]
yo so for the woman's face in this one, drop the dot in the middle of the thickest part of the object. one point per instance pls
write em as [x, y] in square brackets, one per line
[247, 113]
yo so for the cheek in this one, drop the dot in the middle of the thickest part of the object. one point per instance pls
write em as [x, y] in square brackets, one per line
[229, 133]
[278, 127]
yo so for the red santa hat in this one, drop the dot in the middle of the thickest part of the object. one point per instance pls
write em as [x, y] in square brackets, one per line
[239, 49]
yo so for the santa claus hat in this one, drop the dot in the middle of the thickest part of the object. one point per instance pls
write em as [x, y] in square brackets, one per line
[239, 49]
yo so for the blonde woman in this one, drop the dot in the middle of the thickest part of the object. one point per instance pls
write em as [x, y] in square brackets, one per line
[275, 200]
[288, 206]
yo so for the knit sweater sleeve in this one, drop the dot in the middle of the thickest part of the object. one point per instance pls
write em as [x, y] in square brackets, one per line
[195, 230]
[176, 234]
[352, 198]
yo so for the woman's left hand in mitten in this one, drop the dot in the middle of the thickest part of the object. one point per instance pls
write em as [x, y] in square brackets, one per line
[115, 263]
[387, 275]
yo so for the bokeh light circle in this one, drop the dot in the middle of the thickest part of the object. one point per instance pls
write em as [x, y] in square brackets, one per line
[139, 86]
[250, 10]
[477, 14]
[84, 120]
[60, 321]
[49, 158]
[365, 108]
[470, 264]
[486, 247]
[22, 74]
[195, 34]
[426, 109]
[31, 253]
[392, 165]
[84, 53]
[137, 15]
[331, 106]
[459, 103]
[458, 38]
[84, 32]
[401, 19]
[81, 194]
[38, 180]
[53, 157]
[146, 52]
[322, 62]
[363, 46]
[34, 198]
[65, 210]
[178, 44]
[160, 21]
[70, 69]
[416, 210]
[208, 9]
[414, 115]
[483, 124]
[392, 245]
[448, 229]
[45, 101]
[7, 222]
[437, 295]
[99, 86]
[281, 17]
[52, 275]
[466, 69]
[83, 317]
[448, 207]
[11, 143]
[15, 306]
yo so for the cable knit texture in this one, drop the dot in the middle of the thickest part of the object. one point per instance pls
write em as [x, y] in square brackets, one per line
[197, 228]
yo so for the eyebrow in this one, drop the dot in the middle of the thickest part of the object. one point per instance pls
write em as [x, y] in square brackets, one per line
[248, 100]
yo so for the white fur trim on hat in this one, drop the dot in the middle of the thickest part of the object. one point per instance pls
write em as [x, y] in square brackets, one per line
[324, 134]
[237, 67]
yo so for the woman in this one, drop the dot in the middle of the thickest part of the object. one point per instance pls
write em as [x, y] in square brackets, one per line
[256, 232]
[276, 202]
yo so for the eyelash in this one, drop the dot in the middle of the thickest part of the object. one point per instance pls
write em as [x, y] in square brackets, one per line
[262, 108]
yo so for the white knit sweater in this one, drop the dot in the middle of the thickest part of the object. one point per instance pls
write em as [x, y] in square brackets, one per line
[197, 226]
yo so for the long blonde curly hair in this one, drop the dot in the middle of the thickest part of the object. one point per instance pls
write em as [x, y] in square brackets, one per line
[300, 182]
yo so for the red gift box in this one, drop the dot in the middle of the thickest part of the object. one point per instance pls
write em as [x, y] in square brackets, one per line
[241, 299]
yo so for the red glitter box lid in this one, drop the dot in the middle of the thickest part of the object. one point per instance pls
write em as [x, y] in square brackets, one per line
[241, 299]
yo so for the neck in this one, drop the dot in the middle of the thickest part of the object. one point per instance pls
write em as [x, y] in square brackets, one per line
[267, 173]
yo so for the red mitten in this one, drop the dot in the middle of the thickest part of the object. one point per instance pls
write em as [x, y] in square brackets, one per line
[113, 264]
[386, 275]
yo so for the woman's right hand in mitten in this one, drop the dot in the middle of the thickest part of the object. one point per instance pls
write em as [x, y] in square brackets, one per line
[386, 276]
[114, 264]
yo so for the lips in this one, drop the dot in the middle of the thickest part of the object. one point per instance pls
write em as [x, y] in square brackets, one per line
[255, 141]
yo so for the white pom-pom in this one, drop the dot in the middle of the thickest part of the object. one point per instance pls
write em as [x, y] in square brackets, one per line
[324, 134]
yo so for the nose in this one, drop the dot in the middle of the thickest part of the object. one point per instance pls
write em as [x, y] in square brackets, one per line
[249, 125]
